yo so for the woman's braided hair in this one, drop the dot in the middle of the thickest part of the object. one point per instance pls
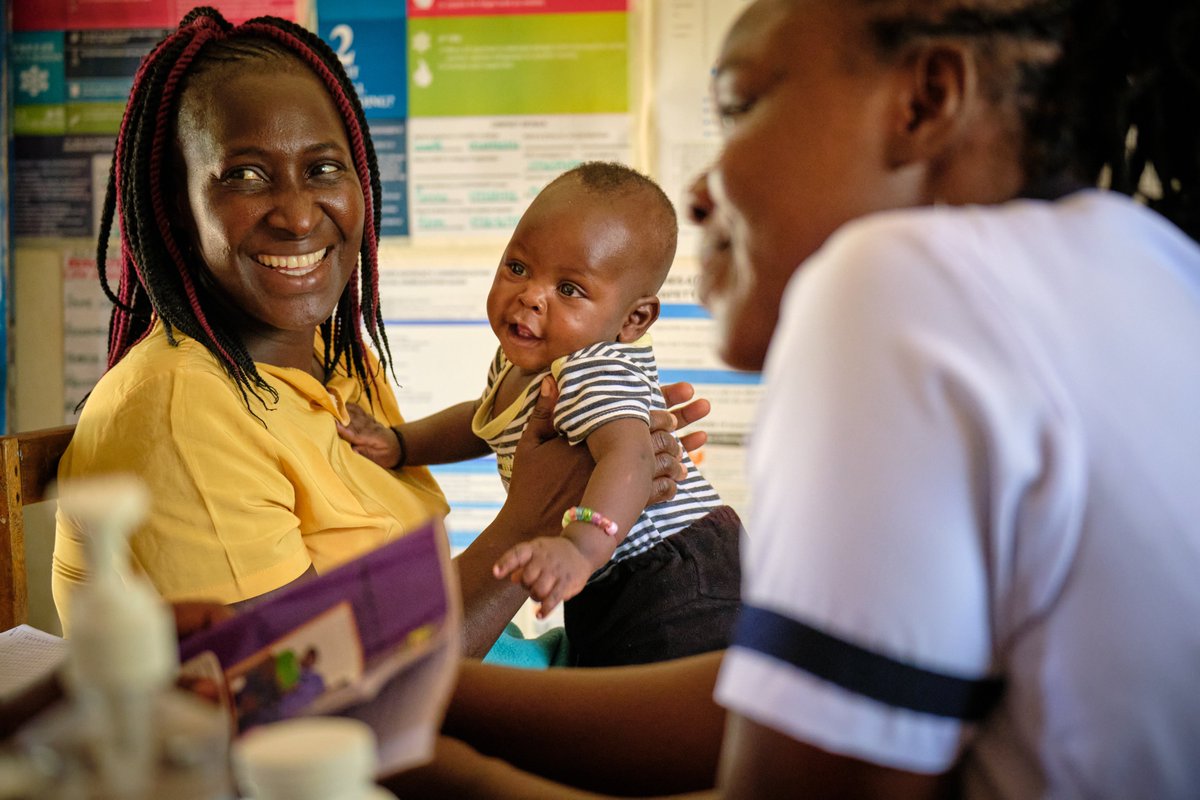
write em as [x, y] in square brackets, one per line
[161, 275]
[1106, 88]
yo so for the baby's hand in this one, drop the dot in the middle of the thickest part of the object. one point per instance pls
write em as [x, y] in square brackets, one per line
[371, 438]
[550, 567]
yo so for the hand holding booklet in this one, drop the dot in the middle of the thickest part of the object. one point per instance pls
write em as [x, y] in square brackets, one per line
[376, 639]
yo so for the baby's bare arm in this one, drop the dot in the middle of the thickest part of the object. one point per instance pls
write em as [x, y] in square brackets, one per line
[556, 569]
[444, 437]
[618, 488]
[440, 438]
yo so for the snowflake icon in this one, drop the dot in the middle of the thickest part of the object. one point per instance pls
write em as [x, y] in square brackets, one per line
[420, 41]
[34, 80]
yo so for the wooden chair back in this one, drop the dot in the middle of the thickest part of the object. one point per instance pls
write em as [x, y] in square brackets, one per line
[28, 467]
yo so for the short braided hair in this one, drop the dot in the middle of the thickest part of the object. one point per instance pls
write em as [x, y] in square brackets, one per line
[158, 276]
[1111, 103]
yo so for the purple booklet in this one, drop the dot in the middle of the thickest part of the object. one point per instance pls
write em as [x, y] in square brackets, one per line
[343, 642]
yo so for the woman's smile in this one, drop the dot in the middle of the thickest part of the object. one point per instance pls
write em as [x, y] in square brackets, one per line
[294, 266]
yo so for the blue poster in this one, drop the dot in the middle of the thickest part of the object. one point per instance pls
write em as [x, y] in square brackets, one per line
[391, 150]
[369, 39]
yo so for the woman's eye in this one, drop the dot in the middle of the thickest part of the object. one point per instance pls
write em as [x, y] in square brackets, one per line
[730, 111]
[326, 169]
[242, 174]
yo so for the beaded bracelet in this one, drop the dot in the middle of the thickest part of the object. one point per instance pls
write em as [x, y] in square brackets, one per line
[585, 514]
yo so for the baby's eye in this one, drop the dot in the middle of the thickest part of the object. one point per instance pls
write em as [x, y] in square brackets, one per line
[569, 290]
[516, 268]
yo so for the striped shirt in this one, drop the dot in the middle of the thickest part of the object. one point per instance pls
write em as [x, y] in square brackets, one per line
[598, 384]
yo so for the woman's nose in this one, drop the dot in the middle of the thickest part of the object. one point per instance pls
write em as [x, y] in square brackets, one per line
[293, 211]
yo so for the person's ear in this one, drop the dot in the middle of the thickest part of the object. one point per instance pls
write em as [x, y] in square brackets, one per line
[936, 83]
[638, 319]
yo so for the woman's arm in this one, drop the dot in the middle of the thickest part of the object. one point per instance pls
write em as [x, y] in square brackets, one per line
[758, 762]
[549, 475]
[645, 730]
[649, 729]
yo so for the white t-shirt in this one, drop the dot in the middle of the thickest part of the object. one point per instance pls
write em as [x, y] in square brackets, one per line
[978, 460]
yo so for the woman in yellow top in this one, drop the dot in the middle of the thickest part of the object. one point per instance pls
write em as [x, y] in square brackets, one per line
[248, 198]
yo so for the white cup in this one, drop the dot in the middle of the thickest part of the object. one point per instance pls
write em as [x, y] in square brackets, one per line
[308, 758]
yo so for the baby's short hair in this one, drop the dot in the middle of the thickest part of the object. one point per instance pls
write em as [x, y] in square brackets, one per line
[617, 180]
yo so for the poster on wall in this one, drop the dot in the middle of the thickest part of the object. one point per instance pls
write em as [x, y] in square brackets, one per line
[73, 63]
[365, 35]
[85, 329]
[503, 96]
[70, 92]
[686, 130]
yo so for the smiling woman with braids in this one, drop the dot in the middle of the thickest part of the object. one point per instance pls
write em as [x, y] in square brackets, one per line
[248, 198]
[974, 537]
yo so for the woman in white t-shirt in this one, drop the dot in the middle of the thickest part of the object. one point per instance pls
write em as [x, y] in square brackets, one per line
[974, 530]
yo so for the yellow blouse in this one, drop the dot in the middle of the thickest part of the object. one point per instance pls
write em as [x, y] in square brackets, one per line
[241, 504]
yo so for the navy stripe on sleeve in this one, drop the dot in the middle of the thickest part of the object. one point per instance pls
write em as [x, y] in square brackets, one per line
[862, 671]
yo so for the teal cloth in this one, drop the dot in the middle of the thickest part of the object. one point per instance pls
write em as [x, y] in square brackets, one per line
[512, 649]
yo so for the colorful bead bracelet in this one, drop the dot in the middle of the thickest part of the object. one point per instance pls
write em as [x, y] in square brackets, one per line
[585, 514]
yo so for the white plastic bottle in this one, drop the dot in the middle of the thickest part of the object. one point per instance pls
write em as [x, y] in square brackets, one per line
[126, 732]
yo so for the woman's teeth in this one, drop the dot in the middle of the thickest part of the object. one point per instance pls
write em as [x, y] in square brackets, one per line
[293, 265]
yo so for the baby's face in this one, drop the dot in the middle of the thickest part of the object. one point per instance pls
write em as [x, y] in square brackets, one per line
[570, 277]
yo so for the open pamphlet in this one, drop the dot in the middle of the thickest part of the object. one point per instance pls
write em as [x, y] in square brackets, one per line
[27, 655]
[376, 639]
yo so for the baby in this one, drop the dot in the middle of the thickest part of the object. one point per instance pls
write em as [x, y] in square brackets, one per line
[574, 296]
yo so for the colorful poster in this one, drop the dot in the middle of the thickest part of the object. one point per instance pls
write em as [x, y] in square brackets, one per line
[37, 64]
[366, 37]
[99, 70]
[60, 183]
[370, 52]
[474, 176]
[504, 96]
[518, 64]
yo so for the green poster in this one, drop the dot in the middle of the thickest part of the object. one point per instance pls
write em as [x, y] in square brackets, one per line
[518, 64]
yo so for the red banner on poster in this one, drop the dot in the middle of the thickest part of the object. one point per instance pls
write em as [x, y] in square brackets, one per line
[57, 15]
